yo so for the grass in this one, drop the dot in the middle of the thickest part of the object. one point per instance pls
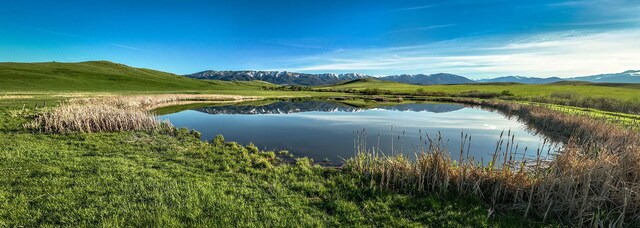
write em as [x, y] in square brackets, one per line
[96, 76]
[155, 179]
[520, 90]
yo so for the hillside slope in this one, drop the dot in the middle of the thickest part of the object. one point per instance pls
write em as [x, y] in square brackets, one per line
[94, 76]
[521, 79]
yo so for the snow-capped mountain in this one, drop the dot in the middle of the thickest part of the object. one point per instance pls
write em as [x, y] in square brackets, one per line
[293, 78]
[277, 77]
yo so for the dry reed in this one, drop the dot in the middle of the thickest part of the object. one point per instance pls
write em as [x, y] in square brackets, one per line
[594, 181]
[15, 97]
[112, 114]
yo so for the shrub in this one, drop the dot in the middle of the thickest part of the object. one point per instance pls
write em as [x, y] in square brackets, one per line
[196, 134]
[262, 163]
[304, 164]
[268, 155]
[218, 140]
[506, 93]
[253, 149]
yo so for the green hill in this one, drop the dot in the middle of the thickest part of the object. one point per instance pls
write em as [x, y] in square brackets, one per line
[98, 76]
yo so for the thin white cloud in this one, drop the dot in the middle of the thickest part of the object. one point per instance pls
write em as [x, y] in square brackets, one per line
[414, 8]
[130, 48]
[554, 54]
[424, 28]
[601, 22]
[125, 46]
[296, 45]
[571, 3]
[82, 38]
[56, 32]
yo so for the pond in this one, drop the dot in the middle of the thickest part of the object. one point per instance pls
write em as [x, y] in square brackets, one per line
[327, 130]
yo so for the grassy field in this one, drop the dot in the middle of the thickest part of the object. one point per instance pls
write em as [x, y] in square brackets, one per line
[617, 91]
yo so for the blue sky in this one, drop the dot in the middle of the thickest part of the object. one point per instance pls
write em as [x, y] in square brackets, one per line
[475, 38]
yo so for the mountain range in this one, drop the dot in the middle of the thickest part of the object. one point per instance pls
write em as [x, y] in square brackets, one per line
[277, 77]
[293, 78]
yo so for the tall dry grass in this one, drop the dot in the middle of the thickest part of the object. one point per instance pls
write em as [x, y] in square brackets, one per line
[116, 113]
[15, 97]
[594, 181]
[149, 102]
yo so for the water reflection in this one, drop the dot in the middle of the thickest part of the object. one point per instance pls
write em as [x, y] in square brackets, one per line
[288, 107]
[325, 130]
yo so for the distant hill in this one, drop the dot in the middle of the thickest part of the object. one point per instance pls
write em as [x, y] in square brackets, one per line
[101, 76]
[277, 77]
[523, 80]
[431, 79]
[630, 76]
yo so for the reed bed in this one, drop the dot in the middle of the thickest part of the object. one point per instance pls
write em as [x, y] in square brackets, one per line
[594, 180]
[15, 97]
[149, 102]
[113, 114]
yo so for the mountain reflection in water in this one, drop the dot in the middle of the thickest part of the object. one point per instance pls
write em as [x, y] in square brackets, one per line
[287, 107]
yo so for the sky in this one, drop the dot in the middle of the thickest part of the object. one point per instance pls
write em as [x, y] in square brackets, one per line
[473, 38]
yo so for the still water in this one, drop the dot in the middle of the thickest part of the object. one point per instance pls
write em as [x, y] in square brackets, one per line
[325, 130]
